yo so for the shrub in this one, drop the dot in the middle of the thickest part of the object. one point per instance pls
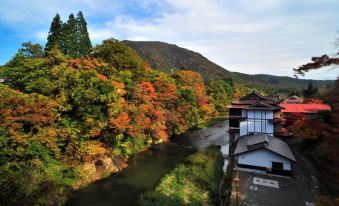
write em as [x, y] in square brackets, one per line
[193, 183]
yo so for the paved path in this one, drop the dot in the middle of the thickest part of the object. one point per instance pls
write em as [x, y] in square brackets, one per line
[296, 191]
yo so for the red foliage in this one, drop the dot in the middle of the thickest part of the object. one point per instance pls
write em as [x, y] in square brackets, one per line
[202, 102]
[121, 122]
[145, 91]
[22, 113]
[86, 63]
[147, 87]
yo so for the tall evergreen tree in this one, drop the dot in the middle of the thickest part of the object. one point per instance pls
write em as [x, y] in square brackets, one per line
[55, 34]
[310, 91]
[84, 42]
[70, 37]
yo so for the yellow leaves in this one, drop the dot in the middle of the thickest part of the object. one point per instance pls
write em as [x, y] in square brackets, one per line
[89, 120]
[51, 132]
[120, 87]
[86, 63]
[93, 148]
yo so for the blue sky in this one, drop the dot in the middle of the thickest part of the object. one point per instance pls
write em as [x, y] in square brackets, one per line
[249, 36]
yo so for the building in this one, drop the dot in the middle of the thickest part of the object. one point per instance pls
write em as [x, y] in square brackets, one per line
[255, 113]
[293, 100]
[310, 110]
[265, 153]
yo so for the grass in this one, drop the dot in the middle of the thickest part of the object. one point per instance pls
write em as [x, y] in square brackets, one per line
[193, 183]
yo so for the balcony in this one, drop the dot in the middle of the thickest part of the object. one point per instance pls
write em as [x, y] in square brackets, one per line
[236, 117]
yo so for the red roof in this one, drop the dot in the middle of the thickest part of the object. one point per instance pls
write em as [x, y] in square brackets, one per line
[304, 108]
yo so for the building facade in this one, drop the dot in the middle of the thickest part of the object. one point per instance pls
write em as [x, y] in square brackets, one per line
[265, 153]
[293, 100]
[255, 114]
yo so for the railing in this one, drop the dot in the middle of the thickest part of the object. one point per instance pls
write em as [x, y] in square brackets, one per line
[236, 117]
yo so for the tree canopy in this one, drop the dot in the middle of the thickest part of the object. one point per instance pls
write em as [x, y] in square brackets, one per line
[71, 37]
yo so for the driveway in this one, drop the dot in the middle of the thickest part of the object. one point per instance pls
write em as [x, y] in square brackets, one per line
[264, 190]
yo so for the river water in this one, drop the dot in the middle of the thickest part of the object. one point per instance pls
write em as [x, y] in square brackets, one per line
[123, 188]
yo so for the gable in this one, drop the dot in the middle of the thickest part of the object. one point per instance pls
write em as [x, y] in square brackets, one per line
[254, 96]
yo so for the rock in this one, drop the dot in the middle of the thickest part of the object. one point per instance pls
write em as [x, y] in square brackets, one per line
[99, 167]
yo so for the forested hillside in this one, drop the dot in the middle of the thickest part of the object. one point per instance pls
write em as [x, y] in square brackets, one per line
[70, 115]
[166, 57]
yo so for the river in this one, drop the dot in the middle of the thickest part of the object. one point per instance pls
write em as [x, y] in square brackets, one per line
[123, 188]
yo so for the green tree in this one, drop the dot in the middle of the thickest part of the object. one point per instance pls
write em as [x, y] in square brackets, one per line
[30, 50]
[118, 55]
[70, 37]
[55, 34]
[84, 42]
[221, 95]
[310, 91]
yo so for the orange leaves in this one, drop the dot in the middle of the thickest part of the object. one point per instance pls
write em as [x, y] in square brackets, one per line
[161, 133]
[121, 122]
[120, 87]
[145, 91]
[23, 113]
[166, 92]
[86, 63]
[102, 77]
[188, 77]
[147, 88]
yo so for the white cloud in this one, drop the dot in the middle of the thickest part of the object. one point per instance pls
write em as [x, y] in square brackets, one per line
[246, 36]
[264, 36]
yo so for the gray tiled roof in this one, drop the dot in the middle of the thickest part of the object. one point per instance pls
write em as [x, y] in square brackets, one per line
[264, 141]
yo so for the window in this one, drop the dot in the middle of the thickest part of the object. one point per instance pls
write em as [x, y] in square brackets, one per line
[277, 165]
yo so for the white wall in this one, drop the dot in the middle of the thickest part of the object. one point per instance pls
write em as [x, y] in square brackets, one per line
[263, 158]
[225, 149]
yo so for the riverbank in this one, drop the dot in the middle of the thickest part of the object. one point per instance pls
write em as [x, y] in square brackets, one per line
[142, 174]
[193, 183]
[145, 171]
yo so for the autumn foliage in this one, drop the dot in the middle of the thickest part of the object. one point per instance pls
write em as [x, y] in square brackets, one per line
[320, 136]
[57, 113]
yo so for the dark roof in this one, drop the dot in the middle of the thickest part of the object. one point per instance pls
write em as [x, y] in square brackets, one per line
[263, 105]
[249, 143]
[255, 100]
[294, 97]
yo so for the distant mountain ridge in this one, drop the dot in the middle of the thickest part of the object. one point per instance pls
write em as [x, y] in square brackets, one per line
[165, 57]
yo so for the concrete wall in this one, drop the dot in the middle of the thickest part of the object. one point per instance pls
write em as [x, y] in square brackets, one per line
[263, 158]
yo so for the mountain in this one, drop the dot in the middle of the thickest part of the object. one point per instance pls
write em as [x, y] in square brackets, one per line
[165, 57]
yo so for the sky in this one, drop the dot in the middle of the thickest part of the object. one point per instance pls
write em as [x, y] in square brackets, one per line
[248, 36]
